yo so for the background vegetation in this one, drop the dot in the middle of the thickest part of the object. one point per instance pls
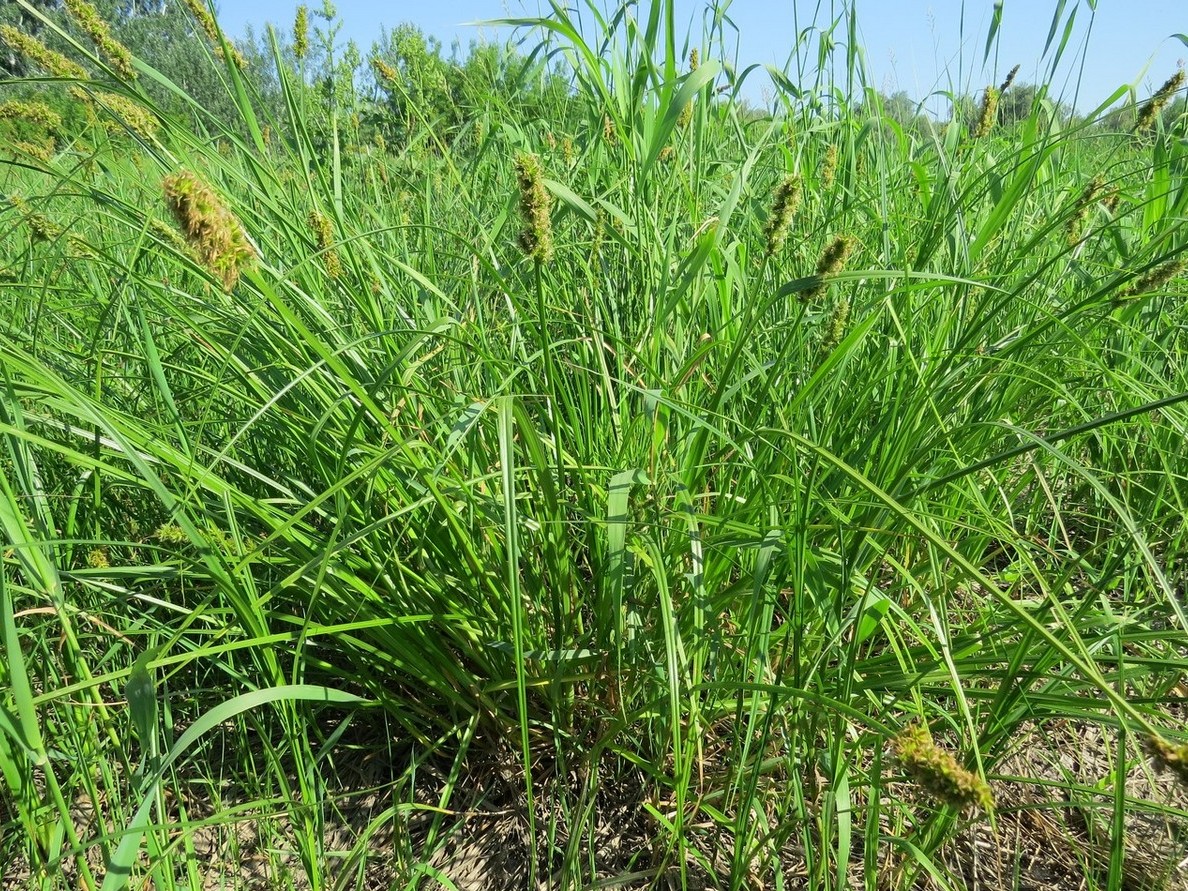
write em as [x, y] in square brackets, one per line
[545, 435]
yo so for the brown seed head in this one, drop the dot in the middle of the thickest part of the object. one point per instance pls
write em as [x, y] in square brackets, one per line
[1010, 79]
[1150, 110]
[1080, 212]
[1155, 278]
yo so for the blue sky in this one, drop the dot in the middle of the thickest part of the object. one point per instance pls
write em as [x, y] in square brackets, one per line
[911, 45]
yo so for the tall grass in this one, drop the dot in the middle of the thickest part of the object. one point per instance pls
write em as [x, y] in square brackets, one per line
[668, 520]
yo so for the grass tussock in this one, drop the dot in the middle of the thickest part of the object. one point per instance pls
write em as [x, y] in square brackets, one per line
[543, 467]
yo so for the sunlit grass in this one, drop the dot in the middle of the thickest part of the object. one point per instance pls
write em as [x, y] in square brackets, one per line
[572, 463]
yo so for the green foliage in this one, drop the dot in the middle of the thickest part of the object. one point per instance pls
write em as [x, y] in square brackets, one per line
[557, 428]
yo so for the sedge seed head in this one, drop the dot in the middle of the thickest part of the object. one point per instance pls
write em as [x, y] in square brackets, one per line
[829, 167]
[1080, 212]
[323, 231]
[87, 18]
[1150, 110]
[40, 55]
[212, 231]
[784, 205]
[536, 238]
[832, 261]
[33, 112]
[938, 773]
[1010, 79]
[385, 71]
[1169, 757]
[987, 113]
[301, 32]
[836, 329]
[124, 113]
[1155, 278]
[211, 29]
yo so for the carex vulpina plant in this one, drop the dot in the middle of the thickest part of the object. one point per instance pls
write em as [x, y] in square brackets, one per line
[1080, 211]
[1169, 757]
[301, 33]
[48, 60]
[987, 113]
[323, 231]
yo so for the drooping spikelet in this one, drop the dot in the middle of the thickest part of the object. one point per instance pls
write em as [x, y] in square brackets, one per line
[301, 32]
[1010, 79]
[937, 772]
[536, 238]
[324, 233]
[40, 55]
[207, 22]
[784, 205]
[213, 232]
[1080, 211]
[1155, 278]
[1151, 108]
[87, 17]
[987, 113]
[833, 260]
[1169, 757]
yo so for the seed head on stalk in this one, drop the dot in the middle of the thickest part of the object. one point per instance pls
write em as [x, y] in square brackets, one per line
[1151, 108]
[784, 204]
[536, 238]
